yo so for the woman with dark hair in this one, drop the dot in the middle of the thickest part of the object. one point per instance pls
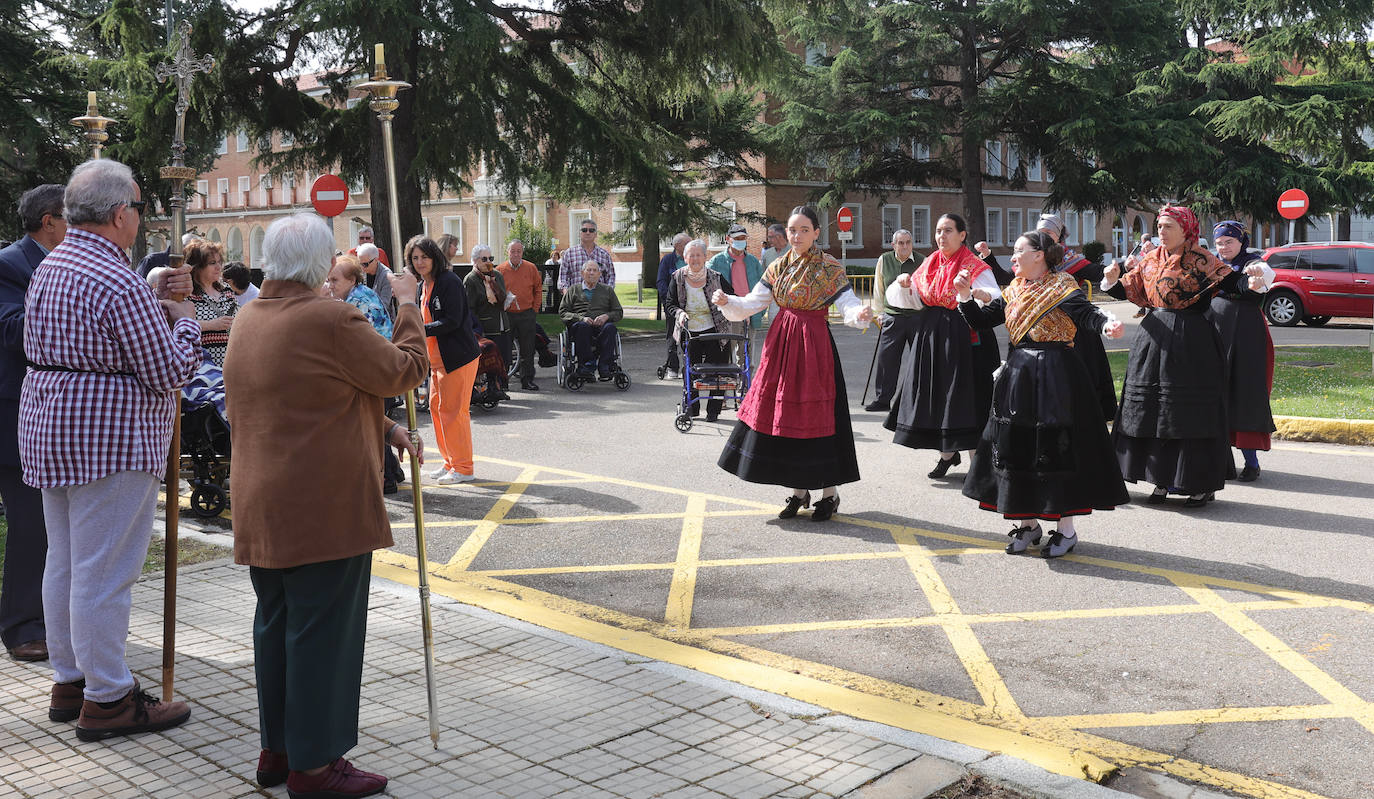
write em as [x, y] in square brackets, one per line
[240, 281]
[1247, 348]
[945, 386]
[215, 305]
[451, 337]
[1171, 427]
[1044, 453]
[793, 427]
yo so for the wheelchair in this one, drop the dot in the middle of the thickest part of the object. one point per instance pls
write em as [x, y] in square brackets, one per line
[568, 376]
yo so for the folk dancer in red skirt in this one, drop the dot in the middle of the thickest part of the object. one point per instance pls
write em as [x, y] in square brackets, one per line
[793, 427]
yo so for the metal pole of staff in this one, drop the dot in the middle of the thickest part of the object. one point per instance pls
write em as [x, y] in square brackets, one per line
[384, 102]
[182, 68]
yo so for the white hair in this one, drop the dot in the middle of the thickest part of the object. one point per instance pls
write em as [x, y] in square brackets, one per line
[478, 249]
[680, 238]
[590, 262]
[698, 243]
[95, 190]
[367, 252]
[365, 229]
[298, 248]
[902, 232]
[187, 238]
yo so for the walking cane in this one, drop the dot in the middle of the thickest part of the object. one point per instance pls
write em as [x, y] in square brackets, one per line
[871, 362]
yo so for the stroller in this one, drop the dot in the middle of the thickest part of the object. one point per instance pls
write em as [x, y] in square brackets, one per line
[491, 371]
[730, 379]
[205, 457]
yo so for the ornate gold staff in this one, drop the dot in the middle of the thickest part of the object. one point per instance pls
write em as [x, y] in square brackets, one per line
[384, 102]
[94, 124]
[183, 68]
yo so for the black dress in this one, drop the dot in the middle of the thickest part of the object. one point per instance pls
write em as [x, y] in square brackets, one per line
[1045, 452]
[1248, 353]
[945, 386]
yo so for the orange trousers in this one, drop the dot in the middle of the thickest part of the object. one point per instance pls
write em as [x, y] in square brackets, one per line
[450, 395]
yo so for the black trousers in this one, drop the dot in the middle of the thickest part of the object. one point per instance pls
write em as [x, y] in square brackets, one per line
[897, 333]
[26, 550]
[674, 361]
[522, 329]
[308, 638]
[583, 336]
[702, 352]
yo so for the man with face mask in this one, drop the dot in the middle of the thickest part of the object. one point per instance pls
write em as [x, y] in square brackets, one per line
[739, 267]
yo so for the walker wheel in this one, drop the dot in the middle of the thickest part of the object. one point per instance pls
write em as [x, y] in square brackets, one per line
[208, 500]
[489, 404]
[574, 383]
[662, 370]
[622, 381]
[683, 422]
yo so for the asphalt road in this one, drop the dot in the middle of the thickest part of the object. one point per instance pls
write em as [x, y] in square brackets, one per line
[1228, 645]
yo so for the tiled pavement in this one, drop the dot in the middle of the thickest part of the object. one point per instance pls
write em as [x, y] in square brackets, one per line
[525, 713]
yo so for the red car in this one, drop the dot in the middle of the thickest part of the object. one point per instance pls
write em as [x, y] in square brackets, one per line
[1316, 280]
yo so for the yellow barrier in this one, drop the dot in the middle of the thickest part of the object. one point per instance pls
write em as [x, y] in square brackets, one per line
[863, 289]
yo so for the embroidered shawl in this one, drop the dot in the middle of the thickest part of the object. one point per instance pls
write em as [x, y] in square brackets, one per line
[1174, 280]
[1032, 308]
[805, 282]
[934, 279]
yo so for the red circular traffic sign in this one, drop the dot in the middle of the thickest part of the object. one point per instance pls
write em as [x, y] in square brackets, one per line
[329, 195]
[1293, 203]
[845, 219]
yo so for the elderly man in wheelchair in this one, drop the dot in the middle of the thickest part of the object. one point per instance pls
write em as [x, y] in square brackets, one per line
[590, 310]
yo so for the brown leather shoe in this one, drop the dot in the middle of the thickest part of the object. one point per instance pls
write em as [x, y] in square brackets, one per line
[30, 651]
[338, 781]
[137, 712]
[272, 769]
[67, 697]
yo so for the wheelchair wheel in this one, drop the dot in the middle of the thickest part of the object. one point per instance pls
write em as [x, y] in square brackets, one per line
[208, 500]
[622, 381]
[661, 371]
[683, 422]
[574, 382]
[489, 404]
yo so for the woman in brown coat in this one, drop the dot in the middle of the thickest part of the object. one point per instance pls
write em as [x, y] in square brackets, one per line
[305, 389]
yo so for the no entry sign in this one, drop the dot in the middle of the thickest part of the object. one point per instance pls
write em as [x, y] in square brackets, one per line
[845, 220]
[1293, 203]
[329, 195]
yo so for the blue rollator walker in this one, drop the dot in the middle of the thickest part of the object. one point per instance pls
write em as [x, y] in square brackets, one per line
[731, 379]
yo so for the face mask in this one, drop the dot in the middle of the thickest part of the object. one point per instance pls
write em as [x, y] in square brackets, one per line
[739, 244]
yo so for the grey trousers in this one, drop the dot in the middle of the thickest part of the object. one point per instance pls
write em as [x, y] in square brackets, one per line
[98, 536]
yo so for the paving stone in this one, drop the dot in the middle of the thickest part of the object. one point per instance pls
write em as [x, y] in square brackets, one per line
[916, 780]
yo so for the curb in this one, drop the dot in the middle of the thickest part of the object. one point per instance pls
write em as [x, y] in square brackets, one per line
[1330, 431]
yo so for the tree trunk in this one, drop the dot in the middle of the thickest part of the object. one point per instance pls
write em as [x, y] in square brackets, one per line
[971, 168]
[1342, 231]
[648, 260]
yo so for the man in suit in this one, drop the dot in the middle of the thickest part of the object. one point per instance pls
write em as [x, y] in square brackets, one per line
[26, 545]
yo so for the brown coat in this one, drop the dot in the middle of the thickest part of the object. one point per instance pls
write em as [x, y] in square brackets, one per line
[304, 380]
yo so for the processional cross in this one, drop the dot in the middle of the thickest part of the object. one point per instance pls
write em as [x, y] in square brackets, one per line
[183, 68]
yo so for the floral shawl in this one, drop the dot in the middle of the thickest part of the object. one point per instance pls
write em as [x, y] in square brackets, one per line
[805, 282]
[1174, 279]
[934, 279]
[1032, 308]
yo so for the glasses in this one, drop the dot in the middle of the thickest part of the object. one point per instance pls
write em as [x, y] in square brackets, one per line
[588, 230]
[486, 258]
[137, 205]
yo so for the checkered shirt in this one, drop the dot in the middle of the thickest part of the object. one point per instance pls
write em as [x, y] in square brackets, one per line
[89, 312]
[570, 266]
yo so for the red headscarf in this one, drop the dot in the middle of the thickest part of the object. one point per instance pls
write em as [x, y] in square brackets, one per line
[1187, 220]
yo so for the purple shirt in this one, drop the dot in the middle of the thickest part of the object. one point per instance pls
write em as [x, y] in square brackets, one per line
[110, 406]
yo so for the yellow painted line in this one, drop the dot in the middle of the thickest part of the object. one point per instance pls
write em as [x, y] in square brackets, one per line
[1362, 452]
[684, 585]
[479, 535]
[682, 492]
[1284, 655]
[989, 684]
[1220, 715]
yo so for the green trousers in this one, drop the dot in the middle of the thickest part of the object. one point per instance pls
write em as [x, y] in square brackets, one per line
[308, 638]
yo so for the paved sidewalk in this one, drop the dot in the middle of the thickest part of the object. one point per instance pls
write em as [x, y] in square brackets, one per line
[526, 713]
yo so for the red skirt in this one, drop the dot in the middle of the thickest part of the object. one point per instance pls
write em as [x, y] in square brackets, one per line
[793, 392]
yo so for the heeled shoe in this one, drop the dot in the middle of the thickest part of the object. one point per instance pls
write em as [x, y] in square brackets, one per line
[1056, 548]
[794, 504]
[1158, 496]
[1198, 500]
[942, 467]
[825, 508]
[1022, 538]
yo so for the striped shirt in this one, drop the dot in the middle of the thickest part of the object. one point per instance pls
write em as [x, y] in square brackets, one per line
[570, 266]
[109, 404]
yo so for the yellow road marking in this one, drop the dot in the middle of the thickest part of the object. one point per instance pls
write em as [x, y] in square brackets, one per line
[479, 535]
[1217, 715]
[684, 586]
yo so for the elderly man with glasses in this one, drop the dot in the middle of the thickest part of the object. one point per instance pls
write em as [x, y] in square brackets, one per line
[572, 260]
[365, 237]
[106, 362]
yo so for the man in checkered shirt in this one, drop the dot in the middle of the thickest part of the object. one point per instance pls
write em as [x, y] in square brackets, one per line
[95, 425]
[570, 264]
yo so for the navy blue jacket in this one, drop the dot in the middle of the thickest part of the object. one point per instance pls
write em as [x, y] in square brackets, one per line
[455, 327]
[17, 263]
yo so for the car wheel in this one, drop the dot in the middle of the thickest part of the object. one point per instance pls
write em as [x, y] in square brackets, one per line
[1283, 308]
[1316, 321]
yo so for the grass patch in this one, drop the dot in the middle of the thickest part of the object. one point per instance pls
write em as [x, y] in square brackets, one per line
[189, 551]
[554, 325]
[1343, 390]
[628, 293]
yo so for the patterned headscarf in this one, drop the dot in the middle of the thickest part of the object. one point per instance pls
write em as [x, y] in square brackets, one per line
[1238, 231]
[1187, 220]
[1053, 224]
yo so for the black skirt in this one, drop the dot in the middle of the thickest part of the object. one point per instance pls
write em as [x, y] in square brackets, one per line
[1087, 344]
[1171, 427]
[1247, 351]
[803, 463]
[945, 386]
[1045, 452]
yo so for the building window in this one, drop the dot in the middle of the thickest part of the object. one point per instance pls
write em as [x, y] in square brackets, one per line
[287, 140]
[994, 159]
[264, 190]
[1033, 169]
[1090, 226]
[815, 54]
[726, 213]
[1014, 229]
[575, 219]
[1071, 228]
[242, 144]
[453, 225]
[920, 151]
[356, 186]
[222, 189]
[288, 188]
[858, 229]
[223, 148]
[245, 189]
[203, 193]
[620, 224]
[994, 223]
[1013, 160]
[920, 225]
[892, 222]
